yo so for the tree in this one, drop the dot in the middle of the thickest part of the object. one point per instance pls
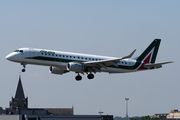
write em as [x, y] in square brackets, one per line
[155, 118]
[1, 108]
[145, 118]
[134, 118]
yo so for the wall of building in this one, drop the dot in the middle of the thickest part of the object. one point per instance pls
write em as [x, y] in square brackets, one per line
[24, 112]
[56, 117]
[10, 117]
[175, 115]
[74, 117]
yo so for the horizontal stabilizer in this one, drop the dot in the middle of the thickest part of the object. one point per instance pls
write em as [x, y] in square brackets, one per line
[156, 64]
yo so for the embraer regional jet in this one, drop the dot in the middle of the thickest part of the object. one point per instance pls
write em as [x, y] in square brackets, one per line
[63, 62]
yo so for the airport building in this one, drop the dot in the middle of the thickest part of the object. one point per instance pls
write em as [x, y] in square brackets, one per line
[18, 110]
[173, 115]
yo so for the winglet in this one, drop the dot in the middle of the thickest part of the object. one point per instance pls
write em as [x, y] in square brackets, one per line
[129, 56]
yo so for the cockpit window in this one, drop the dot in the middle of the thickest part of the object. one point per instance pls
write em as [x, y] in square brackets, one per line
[21, 51]
[16, 51]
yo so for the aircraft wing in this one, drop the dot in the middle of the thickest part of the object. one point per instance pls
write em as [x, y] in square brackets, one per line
[156, 64]
[104, 63]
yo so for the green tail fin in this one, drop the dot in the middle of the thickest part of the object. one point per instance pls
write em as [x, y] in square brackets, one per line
[150, 54]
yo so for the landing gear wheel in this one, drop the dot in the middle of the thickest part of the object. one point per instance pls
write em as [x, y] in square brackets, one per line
[23, 70]
[78, 78]
[24, 66]
[90, 76]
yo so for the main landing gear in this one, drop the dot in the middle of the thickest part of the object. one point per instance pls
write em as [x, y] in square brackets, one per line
[90, 76]
[24, 66]
[79, 77]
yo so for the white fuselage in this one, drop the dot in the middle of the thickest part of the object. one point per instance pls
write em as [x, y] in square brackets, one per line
[60, 59]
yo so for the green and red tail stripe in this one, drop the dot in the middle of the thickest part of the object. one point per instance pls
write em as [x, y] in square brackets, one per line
[148, 56]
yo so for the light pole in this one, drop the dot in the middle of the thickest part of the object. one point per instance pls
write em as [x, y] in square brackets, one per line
[100, 112]
[127, 108]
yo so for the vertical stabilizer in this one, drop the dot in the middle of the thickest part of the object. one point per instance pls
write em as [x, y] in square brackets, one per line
[150, 54]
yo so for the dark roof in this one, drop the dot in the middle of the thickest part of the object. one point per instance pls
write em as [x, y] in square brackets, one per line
[19, 91]
[56, 111]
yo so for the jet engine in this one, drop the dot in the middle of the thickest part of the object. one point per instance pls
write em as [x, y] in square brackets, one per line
[55, 70]
[76, 67]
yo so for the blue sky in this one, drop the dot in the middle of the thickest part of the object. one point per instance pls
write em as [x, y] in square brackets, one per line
[104, 27]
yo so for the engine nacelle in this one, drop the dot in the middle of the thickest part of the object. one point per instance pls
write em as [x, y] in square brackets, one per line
[76, 67]
[55, 70]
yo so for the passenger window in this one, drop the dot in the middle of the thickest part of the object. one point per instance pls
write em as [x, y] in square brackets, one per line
[78, 57]
[82, 58]
[59, 55]
[63, 55]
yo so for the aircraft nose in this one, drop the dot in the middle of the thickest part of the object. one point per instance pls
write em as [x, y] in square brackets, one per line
[9, 57]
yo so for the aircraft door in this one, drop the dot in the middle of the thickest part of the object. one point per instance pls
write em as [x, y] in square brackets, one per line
[130, 64]
[32, 53]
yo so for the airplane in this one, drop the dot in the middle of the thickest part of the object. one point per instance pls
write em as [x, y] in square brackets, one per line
[60, 62]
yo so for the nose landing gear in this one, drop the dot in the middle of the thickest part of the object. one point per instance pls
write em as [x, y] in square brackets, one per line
[24, 66]
[23, 70]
